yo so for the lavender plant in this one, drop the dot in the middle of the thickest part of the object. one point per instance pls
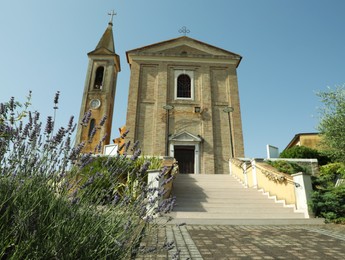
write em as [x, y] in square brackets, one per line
[59, 203]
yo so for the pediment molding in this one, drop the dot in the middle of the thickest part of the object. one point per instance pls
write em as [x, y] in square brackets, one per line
[185, 137]
[182, 47]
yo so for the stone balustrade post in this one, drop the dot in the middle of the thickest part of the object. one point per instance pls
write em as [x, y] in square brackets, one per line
[303, 189]
[154, 183]
[255, 180]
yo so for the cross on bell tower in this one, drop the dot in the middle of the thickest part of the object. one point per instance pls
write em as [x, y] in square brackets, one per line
[112, 13]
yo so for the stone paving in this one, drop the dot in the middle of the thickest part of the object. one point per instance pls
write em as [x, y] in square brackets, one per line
[247, 242]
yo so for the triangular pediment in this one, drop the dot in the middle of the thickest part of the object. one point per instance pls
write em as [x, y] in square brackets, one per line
[185, 137]
[183, 46]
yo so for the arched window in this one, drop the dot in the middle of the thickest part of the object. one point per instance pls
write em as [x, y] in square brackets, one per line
[91, 126]
[99, 78]
[184, 86]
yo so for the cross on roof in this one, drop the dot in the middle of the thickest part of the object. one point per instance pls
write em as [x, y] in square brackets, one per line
[184, 30]
[112, 13]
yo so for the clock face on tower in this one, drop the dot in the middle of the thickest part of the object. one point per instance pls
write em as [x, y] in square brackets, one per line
[95, 103]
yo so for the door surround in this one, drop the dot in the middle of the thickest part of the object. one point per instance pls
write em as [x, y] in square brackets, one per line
[186, 139]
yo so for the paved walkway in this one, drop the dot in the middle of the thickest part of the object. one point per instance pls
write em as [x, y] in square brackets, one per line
[247, 242]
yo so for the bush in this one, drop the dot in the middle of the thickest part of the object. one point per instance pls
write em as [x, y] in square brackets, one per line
[286, 167]
[328, 201]
[57, 203]
[330, 204]
[303, 152]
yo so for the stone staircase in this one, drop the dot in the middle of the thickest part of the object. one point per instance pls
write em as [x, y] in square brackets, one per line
[221, 199]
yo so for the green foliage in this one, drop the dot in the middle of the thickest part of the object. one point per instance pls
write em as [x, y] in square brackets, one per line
[286, 167]
[118, 176]
[329, 174]
[36, 223]
[330, 204]
[58, 203]
[328, 201]
[303, 152]
[332, 123]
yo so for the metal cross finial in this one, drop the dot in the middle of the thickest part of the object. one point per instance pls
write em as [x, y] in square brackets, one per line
[184, 30]
[111, 16]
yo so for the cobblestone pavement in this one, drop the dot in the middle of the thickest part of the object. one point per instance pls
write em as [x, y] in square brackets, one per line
[248, 242]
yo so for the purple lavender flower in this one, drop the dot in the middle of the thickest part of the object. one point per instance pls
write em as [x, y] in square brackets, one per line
[85, 159]
[68, 143]
[144, 167]
[104, 118]
[59, 136]
[49, 125]
[76, 151]
[88, 182]
[120, 148]
[70, 123]
[36, 117]
[136, 155]
[12, 104]
[135, 145]
[2, 109]
[30, 117]
[56, 99]
[127, 146]
[86, 118]
[124, 134]
[92, 134]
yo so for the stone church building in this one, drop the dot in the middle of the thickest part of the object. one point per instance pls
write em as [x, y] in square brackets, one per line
[183, 101]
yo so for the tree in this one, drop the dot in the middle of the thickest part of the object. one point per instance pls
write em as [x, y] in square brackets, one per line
[332, 123]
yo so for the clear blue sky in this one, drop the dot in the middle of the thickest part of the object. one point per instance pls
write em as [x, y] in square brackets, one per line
[291, 49]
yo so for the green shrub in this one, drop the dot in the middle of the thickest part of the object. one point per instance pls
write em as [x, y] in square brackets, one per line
[286, 166]
[303, 152]
[115, 176]
[330, 204]
[328, 201]
[329, 174]
[58, 203]
[35, 223]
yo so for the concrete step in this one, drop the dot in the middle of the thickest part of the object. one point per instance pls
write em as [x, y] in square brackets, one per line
[237, 201]
[235, 215]
[223, 197]
[244, 222]
[232, 205]
[252, 211]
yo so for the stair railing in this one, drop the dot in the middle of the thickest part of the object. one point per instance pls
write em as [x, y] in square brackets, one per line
[292, 189]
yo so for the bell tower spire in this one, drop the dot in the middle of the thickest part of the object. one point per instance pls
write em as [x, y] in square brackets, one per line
[99, 92]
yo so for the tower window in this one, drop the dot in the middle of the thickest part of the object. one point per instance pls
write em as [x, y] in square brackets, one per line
[99, 78]
[184, 84]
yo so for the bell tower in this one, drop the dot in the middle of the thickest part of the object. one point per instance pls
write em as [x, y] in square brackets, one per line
[99, 92]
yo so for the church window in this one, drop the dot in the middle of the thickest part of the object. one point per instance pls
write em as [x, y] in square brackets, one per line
[99, 78]
[184, 85]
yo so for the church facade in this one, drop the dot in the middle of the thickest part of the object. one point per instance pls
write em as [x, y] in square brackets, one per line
[184, 102]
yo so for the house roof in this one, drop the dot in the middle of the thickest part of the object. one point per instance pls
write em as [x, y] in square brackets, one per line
[297, 137]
